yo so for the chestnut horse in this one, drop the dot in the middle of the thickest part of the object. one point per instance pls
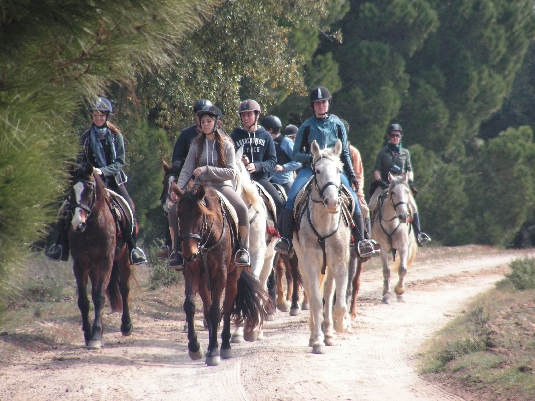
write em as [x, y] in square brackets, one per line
[99, 254]
[208, 248]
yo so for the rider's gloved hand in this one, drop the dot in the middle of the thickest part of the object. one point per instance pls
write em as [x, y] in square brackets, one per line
[413, 189]
[355, 183]
[382, 184]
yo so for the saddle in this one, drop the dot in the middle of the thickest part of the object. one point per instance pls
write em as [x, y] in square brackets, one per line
[122, 214]
[271, 221]
[230, 214]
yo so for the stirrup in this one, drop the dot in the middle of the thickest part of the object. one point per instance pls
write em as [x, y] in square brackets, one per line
[423, 239]
[283, 247]
[365, 248]
[138, 257]
[176, 261]
[163, 253]
[242, 252]
[54, 252]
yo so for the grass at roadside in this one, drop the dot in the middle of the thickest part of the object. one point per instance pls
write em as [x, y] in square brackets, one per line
[488, 353]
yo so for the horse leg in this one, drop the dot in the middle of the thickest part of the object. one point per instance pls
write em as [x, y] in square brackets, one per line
[311, 280]
[100, 276]
[328, 295]
[231, 291]
[355, 289]
[212, 313]
[399, 289]
[272, 291]
[279, 266]
[294, 310]
[194, 348]
[386, 277]
[83, 301]
[340, 315]
[352, 268]
[124, 286]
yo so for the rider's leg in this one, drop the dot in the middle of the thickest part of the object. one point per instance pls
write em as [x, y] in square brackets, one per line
[137, 255]
[242, 255]
[421, 237]
[176, 261]
[60, 250]
[271, 190]
[284, 245]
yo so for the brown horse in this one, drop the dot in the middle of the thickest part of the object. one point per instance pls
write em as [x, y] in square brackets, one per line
[208, 248]
[99, 253]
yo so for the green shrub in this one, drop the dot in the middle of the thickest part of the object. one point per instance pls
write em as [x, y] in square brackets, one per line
[160, 273]
[522, 273]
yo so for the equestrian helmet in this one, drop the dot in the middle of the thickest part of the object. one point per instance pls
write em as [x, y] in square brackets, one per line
[199, 104]
[319, 93]
[394, 127]
[272, 122]
[212, 111]
[101, 104]
[249, 105]
[290, 130]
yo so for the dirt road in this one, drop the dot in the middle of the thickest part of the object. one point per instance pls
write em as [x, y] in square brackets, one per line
[376, 361]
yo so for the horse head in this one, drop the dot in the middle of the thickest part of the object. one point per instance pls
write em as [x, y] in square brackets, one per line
[398, 193]
[83, 197]
[171, 174]
[326, 167]
[193, 214]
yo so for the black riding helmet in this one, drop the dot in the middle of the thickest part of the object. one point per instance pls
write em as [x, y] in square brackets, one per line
[290, 130]
[272, 122]
[394, 127]
[200, 104]
[319, 93]
[212, 111]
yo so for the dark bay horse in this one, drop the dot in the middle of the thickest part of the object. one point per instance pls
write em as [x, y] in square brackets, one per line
[99, 253]
[208, 249]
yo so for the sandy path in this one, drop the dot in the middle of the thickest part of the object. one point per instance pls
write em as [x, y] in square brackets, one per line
[376, 361]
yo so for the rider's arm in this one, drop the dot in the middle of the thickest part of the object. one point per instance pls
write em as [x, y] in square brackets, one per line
[189, 166]
[410, 173]
[297, 153]
[120, 158]
[287, 147]
[358, 168]
[377, 174]
[269, 158]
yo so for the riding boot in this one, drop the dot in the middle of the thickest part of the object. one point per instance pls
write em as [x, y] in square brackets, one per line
[137, 256]
[242, 255]
[363, 247]
[176, 260]
[165, 250]
[284, 244]
[421, 237]
[368, 234]
[60, 250]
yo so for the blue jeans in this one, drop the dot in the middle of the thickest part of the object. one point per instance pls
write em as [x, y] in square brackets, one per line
[302, 179]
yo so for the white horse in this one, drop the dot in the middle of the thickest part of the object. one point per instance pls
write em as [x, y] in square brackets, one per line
[322, 222]
[261, 242]
[392, 229]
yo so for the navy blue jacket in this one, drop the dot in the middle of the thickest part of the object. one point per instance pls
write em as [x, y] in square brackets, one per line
[259, 147]
[183, 143]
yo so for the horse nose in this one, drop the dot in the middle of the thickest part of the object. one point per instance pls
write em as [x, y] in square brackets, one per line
[403, 217]
[81, 227]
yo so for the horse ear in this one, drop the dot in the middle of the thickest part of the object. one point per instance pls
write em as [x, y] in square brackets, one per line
[201, 191]
[239, 153]
[176, 190]
[89, 169]
[338, 147]
[165, 166]
[314, 149]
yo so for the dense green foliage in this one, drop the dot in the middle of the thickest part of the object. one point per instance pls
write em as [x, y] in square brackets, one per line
[522, 273]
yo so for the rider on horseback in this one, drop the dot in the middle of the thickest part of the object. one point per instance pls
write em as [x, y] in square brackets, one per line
[103, 147]
[326, 130]
[211, 160]
[259, 156]
[395, 159]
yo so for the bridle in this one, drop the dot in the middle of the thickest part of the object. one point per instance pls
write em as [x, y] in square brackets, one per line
[324, 187]
[395, 217]
[88, 209]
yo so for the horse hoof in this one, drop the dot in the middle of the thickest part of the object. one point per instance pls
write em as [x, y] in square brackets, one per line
[283, 307]
[94, 344]
[128, 331]
[194, 356]
[226, 353]
[270, 317]
[250, 336]
[329, 341]
[294, 311]
[304, 306]
[400, 298]
[386, 300]
[236, 338]
[318, 349]
[213, 360]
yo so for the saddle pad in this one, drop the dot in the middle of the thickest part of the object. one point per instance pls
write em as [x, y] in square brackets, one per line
[270, 203]
[231, 211]
[300, 199]
[126, 207]
[281, 191]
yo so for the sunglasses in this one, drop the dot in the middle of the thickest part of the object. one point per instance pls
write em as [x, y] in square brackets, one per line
[394, 136]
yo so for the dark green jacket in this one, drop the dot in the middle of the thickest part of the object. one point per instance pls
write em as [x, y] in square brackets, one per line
[387, 160]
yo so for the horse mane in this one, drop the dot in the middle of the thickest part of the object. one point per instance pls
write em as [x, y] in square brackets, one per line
[397, 180]
[80, 174]
[249, 192]
[328, 153]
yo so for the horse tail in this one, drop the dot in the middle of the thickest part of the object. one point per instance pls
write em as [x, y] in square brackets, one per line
[393, 265]
[413, 249]
[252, 303]
[113, 291]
